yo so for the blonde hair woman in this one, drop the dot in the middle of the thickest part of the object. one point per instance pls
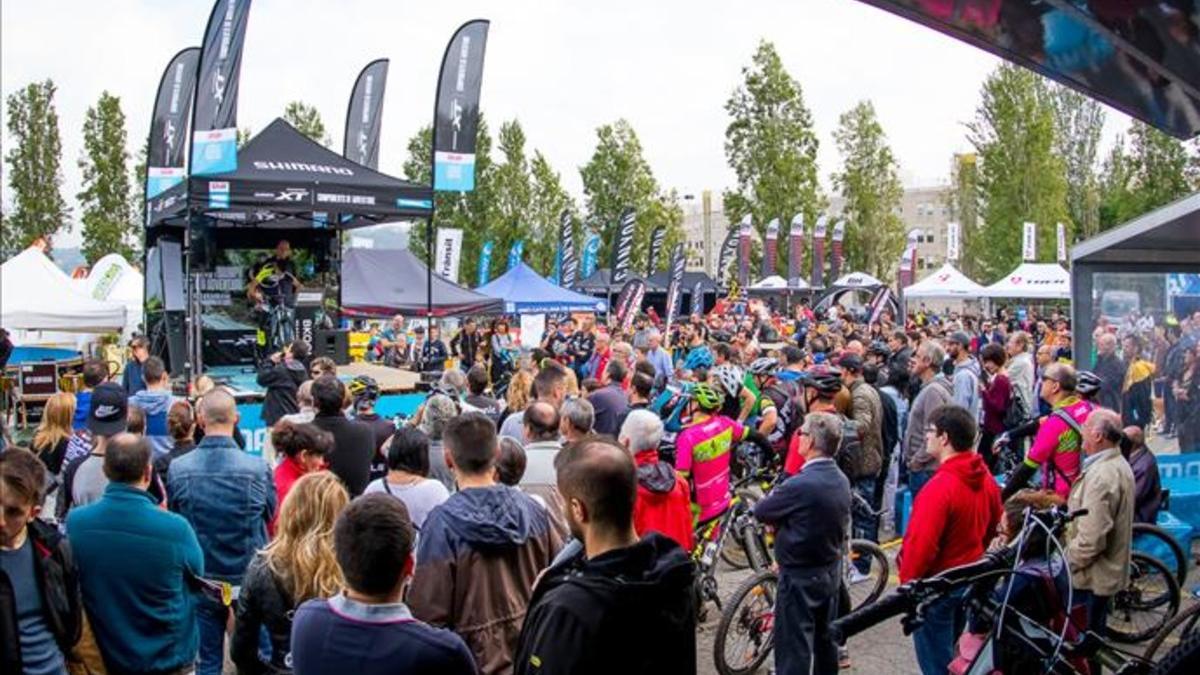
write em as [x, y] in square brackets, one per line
[518, 391]
[54, 433]
[298, 565]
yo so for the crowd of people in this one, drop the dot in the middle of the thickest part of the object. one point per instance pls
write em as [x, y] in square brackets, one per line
[538, 513]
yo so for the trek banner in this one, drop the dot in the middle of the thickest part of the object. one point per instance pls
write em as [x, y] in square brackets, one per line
[214, 114]
[456, 112]
[364, 115]
[166, 157]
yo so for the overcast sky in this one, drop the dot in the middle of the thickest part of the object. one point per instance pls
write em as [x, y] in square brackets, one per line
[563, 68]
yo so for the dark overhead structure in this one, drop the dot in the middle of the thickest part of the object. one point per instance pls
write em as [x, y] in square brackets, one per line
[1139, 56]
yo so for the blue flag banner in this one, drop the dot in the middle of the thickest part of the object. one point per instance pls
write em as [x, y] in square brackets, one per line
[485, 263]
[456, 111]
[516, 253]
[591, 255]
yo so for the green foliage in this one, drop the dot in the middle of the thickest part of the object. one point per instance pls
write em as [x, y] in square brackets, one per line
[243, 137]
[618, 176]
[1148, 172]
[307, 121]
[869, 182]
[109, 225]
[139, 182]
[771, 146]
[1021, 176]
[549, 200]
[962, 196]
[1079, 120]
[513, 192]
[34, 156]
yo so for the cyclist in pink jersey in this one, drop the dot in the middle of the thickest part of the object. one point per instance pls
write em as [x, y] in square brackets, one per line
[1057, 448]
[703, 451]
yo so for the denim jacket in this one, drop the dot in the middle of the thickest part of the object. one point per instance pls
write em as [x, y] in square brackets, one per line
[229, 497]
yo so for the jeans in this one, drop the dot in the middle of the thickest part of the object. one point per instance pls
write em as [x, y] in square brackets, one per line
[1097, 617]
[805, 605]
[917, 480]
[212, 618]
[934, 641]
[863, 523]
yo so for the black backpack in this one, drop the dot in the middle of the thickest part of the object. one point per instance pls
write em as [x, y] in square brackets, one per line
[789, 411]
[849, 457]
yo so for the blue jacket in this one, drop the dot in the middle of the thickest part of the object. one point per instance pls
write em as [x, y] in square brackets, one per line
[228, 497]
[132, 378]
[156, 405]
[83, 407]
[134, 563]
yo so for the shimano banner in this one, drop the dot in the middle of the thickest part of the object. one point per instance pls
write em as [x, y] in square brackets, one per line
[675, 286]
[839, 235]
[456, 112]
[725, 258]
[515, 253]
[167, 150]
[796, 248]
[770, 248]
[622, 252]
[568, 266]
[364, 115]
[485, 263]
[818, 267]
[214, 115]
[656, 244]
[591, 256]
[743, 276]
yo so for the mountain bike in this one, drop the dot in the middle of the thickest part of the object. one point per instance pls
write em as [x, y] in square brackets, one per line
[1143, 607]
[1177, 631]
[1153, 540]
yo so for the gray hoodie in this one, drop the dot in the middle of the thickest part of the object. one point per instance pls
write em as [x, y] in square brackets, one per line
[937, 392]
[156, 405]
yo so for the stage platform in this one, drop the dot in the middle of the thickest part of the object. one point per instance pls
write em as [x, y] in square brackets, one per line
[241, 379]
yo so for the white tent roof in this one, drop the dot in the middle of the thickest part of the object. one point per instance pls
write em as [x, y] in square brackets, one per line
[36, 295]
[1034, 281]
[115, 280]
[947, 282]
[857, 280]
[777, 282]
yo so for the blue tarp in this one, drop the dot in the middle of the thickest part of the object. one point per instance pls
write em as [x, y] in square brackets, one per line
[524, 291]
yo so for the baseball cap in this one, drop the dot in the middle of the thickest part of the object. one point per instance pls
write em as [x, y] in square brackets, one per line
[961, 338]
[110, 410]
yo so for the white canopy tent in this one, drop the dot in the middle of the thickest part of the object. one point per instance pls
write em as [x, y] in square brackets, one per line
[115, 280]
[946, 282]
[778, 283]
[1033, 281]
[857, 280]
[37, 296]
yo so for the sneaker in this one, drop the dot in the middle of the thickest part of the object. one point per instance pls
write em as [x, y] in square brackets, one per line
[857, 577]
[843, 657]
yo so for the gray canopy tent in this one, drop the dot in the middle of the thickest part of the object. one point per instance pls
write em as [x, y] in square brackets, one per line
[1150, 264]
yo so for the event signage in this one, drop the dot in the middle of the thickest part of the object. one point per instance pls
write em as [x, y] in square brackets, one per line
[818, 263]
[744, 229]
[770, 248]
[1029, 242]
[725, 259]
[656, 244]
[365, 115]
[839, 235]
[591, 255]
[796, 247]
[449, 250]
[1062, 242]
[166, 149]
[622, 253]
[456, 112]
[698, 298]
[906, 266]
[515, 253]
[214, 115]
[628, 302]
[952, 241]
[485, 263]
[567, 265]
[675, 286]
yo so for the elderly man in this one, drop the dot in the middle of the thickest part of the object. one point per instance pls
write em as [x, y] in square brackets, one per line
[809, 511]
[934, 391]
[663, 497]
[1099, 542]
[1021, 370]
[598, 360]
[578, 418]
[659, 357]
[1111, 370]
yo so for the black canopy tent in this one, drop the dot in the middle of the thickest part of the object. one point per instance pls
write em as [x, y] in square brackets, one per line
[383, 282]
[600, 284]
[285, 186]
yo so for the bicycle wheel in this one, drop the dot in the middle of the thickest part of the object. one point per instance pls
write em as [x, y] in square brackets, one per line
[1153, 540]
[732, 553]
[1175, 632]
[1183, 659]
[1146, 604]
[866, 587]
[746, 633]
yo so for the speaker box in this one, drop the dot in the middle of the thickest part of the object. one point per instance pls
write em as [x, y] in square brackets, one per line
[332, 343]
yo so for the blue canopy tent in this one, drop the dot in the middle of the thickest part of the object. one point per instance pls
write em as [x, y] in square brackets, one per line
[524, 291]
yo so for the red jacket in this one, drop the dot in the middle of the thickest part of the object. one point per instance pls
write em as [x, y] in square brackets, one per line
[286, 474]
[953, 518]
[663, 502]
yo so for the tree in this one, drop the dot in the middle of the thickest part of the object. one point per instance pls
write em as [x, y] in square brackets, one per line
[307, 121]
[473, 212]
[1118, 201]
[963, 199]
[771, 146]
[513, 193]
[1148, 172]
[1021, 176]
[34, 173]
[139, 181]
[1079, 120]
[243, 137]
[108, 222]
[618, 176]
[869, 183]
[549, 200]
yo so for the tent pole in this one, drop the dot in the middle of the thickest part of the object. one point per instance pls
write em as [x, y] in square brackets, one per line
[429, 275]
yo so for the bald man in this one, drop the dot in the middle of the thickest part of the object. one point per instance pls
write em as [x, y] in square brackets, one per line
[1147, 484]
[1111, 370]
[587, 609]
[1099, 543]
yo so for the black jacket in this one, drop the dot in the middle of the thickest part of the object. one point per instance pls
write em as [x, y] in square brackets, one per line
[58, 581]
[898, 375]
[263, 603]
[1111, 371]
[628, 611]
[810, 512]
[353, 449]
[465, 346]
[282, 381]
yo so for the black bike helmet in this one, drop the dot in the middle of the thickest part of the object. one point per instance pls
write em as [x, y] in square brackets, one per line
[879, 348]
[827, 381]
[1087, 383]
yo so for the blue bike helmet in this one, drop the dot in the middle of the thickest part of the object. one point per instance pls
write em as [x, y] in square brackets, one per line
[698, 357]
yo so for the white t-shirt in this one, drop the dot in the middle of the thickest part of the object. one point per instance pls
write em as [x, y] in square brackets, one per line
[420, 497]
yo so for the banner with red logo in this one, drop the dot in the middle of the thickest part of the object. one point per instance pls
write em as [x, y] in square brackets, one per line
[839, 234]
[796, 247]
[818, 263]
[770, 248]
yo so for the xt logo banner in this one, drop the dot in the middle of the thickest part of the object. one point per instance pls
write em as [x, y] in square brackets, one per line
[291, 195]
